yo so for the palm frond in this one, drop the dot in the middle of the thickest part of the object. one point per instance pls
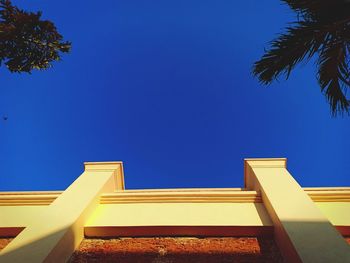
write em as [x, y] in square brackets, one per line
[312, 9]
[323, 27]
[333, 74]
[299, 42]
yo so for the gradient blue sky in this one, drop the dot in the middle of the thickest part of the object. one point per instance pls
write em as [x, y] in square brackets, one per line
[166, 87]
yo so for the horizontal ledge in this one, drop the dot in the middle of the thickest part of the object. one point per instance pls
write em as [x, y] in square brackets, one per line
[181, 201]
[138, 231]
[32, 193]
[226, 195]
[326, 189]
[217, 196]
[27, 198]
[181, 195]
[25, 204]
[202, 231]
[209, 196]
[170, 190]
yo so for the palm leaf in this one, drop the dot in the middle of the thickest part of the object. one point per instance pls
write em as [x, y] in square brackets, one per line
[299, 42]
[333, 74]
[323, 28]
[319, 9]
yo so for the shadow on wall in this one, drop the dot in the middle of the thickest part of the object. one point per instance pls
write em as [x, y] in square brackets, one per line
[64, 240]
[315, 241]
[150, 249]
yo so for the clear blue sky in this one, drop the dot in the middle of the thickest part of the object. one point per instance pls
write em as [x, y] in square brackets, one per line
[166, 87]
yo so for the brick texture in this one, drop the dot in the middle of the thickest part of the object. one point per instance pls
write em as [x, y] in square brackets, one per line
[176, 250]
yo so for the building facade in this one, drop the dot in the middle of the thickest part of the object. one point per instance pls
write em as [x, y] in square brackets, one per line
[300, 224]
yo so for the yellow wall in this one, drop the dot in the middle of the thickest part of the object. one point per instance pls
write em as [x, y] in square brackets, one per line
[303, 220]
[19, 216]
[151, 214]
[338, 213]
[162, 214]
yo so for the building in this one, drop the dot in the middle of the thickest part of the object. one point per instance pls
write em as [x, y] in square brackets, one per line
[299, 224]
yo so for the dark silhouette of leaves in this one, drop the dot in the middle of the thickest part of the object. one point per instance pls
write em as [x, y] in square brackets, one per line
[26, 41]
[323, 28]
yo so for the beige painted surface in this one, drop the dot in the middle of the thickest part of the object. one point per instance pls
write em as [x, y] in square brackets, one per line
[19, 216]
[302, 231]
[175, 214]
[59, 229]
[338, 213]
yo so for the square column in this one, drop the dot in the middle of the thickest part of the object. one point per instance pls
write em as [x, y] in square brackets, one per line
[59, 229]
[302, 232]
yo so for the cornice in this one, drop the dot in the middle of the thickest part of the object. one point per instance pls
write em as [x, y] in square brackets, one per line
[336, 194]
[115, 166]
[28, 198]
[266, 162]
[204, 195]
[102, 166]
[262, 163]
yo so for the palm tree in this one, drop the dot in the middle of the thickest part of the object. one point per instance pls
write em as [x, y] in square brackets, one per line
[322, 28]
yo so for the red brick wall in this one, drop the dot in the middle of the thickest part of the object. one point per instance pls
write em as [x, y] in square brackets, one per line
[4, 242]
[177, 250]
[347, 239]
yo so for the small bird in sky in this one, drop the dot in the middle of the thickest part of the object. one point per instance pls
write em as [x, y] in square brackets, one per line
[5, 117]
